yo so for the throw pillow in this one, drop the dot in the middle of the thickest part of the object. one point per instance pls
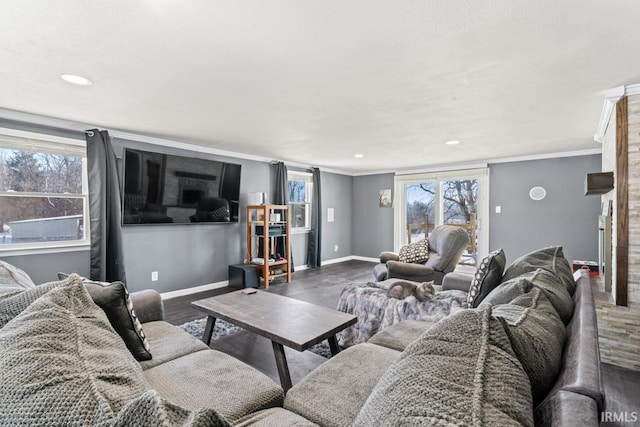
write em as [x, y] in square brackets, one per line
[417, 252]
[222, 214]
[487, 277]
[551, 259]
[461, 371]
[151, 409]
[62, 363]
[114, 299]
[14, 301]
[537, 336]
[11, 275]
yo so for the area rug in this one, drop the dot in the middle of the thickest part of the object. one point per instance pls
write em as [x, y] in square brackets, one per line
[222, 328]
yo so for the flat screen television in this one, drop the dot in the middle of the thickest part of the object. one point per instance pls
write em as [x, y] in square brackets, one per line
[168, 189]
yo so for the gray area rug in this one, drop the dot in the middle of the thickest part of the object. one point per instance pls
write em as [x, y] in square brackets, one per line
[222, 328]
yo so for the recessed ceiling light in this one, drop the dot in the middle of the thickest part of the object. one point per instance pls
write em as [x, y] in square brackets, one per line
[76, 80]
[453, 142]
[358, 156]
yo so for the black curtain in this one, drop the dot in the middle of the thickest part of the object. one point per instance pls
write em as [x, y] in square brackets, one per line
[281, 184]
[107, 260]
[314, 249]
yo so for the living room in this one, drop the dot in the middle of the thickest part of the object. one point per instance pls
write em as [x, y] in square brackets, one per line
[525, 122]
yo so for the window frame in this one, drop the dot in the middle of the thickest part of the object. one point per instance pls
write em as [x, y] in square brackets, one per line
[438, 177]
[307, 177]
[13, 139]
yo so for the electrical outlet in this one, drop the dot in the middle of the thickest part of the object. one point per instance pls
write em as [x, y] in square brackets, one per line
[335, 248]
[154, 276]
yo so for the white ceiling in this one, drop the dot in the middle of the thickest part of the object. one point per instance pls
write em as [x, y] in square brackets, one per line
[316, 81]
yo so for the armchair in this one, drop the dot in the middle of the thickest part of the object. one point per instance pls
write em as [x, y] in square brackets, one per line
[446, 244]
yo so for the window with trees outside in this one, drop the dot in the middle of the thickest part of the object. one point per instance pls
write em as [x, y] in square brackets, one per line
[43, 191]
[299, 199]
[458, 198]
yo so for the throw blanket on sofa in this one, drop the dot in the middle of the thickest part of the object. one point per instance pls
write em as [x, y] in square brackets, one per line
[375, 310]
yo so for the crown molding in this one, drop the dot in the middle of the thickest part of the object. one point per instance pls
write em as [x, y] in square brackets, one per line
[36, 119]
[611, 98]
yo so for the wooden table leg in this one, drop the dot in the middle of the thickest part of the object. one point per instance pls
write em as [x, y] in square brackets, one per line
[283, 368]
[333, 345]
[208, 330]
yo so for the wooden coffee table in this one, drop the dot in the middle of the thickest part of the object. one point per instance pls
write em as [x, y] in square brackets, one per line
[283, 320]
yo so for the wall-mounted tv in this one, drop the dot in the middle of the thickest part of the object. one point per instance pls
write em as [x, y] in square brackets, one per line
[168, 189]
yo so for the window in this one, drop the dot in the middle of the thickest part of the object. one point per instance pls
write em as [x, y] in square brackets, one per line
[299, 198]
[460, 198]
[43, 191]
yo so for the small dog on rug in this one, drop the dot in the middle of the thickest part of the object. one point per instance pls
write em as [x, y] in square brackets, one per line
[401, 289]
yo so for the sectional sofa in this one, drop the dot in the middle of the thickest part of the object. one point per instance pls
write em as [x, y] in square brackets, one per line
[63, 363]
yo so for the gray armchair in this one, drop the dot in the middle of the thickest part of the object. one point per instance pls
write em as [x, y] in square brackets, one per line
[446, 244]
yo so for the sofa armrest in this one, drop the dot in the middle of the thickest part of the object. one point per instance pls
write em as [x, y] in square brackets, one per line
[388, 256]
[457, 281]
[148, 305]
[410, 271]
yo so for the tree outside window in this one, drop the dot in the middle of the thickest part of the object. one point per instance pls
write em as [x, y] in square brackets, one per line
[299, 199]
[41, 197]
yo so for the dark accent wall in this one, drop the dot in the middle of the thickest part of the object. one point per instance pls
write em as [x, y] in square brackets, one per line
[372, 226]
[565, 217]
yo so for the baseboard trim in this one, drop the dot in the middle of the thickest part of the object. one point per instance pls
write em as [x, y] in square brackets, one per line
[364, 258]
[193, 290]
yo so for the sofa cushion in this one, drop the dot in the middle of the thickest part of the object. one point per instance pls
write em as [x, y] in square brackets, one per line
[417, 252]
[114, 299]
[212, 379]
[462, 371]
[487, 277]
[12, 276]
[400, 335]
[168, 342]
[555, 290]
[549, 283]
[537, 338]
[14, 300]
[63, 364]
[273, 417]
[151, 409]
[551, 259]
[507, 291]
[333, 393]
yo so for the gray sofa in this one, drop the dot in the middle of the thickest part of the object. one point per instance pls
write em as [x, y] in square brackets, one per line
[335, 393]
[383, 381]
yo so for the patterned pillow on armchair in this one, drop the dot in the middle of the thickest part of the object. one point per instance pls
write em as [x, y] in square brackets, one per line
[417, 252]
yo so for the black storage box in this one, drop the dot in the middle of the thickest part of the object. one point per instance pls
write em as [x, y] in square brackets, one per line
[274, 230]
[244, 276]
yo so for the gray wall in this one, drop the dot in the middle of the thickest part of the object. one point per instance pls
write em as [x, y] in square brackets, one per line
[192, 255]
[188, 255]
[337, 193]
[195, 254]
[372, 226]
[43, 268]
[565, 217]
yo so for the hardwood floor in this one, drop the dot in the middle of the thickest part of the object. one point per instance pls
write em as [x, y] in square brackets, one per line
[322, 286]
